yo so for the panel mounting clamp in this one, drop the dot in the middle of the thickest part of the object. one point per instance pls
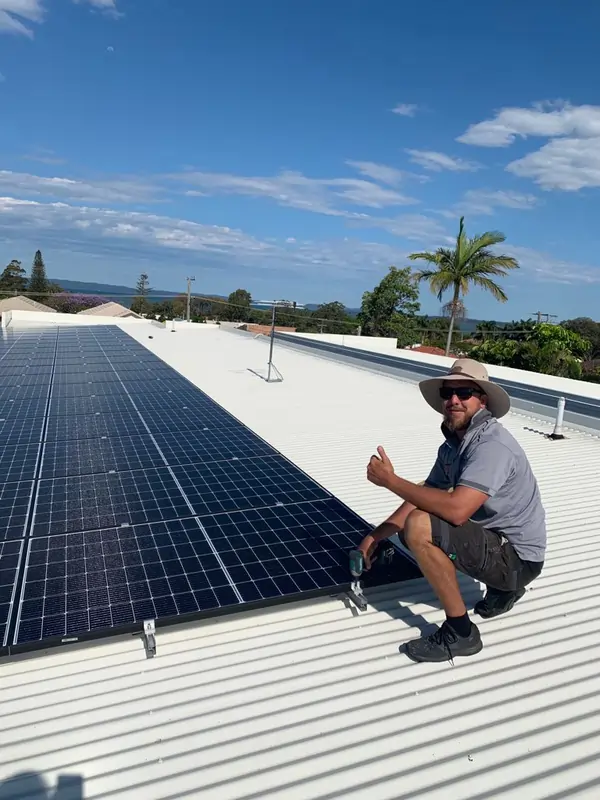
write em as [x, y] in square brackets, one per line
[356, 596]
[150, 638]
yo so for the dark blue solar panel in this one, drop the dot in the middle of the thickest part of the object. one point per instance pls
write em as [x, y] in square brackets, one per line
[113, 535]
[70, 406]
[88, 456]
[20, 430]
[15, 499]
[10, 557]
[18, 462]
[206, 446]
[94, 426]
[83, 503]
[245, 483]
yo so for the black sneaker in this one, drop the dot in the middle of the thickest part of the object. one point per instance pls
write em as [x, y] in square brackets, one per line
[496, 602]
[444, 645]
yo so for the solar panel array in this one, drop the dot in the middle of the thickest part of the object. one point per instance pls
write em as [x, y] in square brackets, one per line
[129, 494]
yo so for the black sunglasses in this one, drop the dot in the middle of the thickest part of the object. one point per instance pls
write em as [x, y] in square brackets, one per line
[462, 392]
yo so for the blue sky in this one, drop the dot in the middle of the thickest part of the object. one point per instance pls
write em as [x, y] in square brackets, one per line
[298, 148]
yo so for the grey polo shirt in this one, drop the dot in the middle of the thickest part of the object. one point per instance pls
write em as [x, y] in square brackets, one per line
[489, 459]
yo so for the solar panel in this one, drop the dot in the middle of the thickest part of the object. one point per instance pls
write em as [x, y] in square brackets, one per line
[146, 499]
[15, 499]
[18, 462]
[87, 502]
[20, 430]
[88, 456]
[10, 557]
[245, 483]
[95, 426]
[206, 446]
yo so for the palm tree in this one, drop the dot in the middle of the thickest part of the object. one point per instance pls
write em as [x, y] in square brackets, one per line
[470, 262]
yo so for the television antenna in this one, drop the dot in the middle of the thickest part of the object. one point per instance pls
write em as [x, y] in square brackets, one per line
[273, 374]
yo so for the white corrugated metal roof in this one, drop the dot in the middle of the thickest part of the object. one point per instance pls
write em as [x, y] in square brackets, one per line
[111, 309]
[311, 702]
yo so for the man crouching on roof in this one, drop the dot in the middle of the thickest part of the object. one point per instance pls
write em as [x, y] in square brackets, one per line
[492, 526]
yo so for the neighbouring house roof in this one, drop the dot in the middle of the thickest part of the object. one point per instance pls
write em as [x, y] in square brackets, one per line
[110, 310]
[22, 303]
[310, 701]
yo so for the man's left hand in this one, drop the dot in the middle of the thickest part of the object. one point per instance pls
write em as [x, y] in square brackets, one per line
[380, 470]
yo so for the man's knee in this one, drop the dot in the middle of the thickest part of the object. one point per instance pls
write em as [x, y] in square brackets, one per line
[417, 529]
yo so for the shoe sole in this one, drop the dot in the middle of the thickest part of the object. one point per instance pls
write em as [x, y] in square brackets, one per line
[498, 612]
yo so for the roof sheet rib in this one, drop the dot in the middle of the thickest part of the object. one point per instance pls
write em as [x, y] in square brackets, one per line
[312, 702]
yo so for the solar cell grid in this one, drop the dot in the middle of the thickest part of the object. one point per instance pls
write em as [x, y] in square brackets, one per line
[85, 375]
[221, 486]
[61, 406]
[87, 389]
[22, 408]
[10, 556]
[24, 393]
[14, 505]
[16, 430]
[85, 582]
[18, 462]
[206, 446]
[188, 420]
[89, 456]
[89, 502]
[94, 426]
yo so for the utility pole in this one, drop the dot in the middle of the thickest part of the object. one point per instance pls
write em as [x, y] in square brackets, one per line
[189, 296]
[547, 317]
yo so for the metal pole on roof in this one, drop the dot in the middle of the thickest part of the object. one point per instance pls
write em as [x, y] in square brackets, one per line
[271, 368]
[189, 296]
[558, 425]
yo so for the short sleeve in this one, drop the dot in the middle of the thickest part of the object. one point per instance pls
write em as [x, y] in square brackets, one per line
[487, 468]
[437, 478]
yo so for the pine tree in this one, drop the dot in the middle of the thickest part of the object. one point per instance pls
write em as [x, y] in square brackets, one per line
[39, 286]
[12, 279]
[140, 304]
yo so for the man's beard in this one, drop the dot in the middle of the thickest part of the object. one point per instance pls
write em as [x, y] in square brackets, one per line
[457, 422]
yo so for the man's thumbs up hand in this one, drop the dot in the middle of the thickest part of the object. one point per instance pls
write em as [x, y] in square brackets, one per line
[380, 469]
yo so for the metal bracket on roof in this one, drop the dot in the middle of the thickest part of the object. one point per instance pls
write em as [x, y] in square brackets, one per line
[356, 596]
[150, 638]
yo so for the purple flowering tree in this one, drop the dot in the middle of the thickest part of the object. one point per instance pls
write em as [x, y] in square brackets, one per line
[67, 303]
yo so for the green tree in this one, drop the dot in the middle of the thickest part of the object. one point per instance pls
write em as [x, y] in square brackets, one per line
[548, 349]
[238, 308]
[12, 279]
[140, 303]
[590, 330]
[39, 286]
[332, 318]
[470, 262]
[390, 309]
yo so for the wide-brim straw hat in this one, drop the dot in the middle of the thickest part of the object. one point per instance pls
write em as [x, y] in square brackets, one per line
[466, 369]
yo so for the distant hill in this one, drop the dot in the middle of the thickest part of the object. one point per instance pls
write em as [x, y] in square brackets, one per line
[121, 294]
[125, 294]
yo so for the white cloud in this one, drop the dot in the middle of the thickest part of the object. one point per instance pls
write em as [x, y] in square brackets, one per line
[405, 109]
[436, 162]
[44, 156]
[569, 161]
[108, 6]
[378, 172]
[120, 190]
[483, 201]
[547, 268]
[93, 230]
[293, 189]
[13, 12]
[547, 119]
[567, 164]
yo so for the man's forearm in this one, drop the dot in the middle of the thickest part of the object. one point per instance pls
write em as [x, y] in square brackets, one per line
[394, 523]
[434, 501]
